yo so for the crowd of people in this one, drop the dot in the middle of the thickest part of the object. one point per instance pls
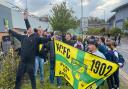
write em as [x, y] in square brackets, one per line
[37, 43]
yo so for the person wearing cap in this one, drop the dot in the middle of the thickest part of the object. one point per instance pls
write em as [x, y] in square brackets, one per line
[52, 60]
[92, 48]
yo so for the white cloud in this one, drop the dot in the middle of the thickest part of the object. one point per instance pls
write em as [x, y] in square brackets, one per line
[104, 7]
[43, 11]
[19, 3]
[85, 2]
[57, 1]
[46, 9]
[107, 3]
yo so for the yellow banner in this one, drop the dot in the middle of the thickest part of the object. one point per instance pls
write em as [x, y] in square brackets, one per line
[81, 69]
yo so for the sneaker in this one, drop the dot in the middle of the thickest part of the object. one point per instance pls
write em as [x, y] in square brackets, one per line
[118, 88]
[59, 87]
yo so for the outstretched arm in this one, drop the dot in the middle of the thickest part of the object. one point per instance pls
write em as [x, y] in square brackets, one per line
[26, 20]
[18, 36]
[27, 24]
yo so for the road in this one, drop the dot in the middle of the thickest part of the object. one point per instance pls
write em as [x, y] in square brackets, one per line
[123, 49]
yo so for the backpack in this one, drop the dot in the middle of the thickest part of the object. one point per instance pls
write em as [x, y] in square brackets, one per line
[111, 56]
[120, 59]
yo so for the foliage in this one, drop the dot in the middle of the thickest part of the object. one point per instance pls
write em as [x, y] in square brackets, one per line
[94, 31]
[115, 31]
[125, 25]
[62, 18]
[8, 67]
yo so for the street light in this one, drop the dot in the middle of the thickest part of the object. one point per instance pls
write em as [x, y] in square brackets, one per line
[81, 25]
[26, 5]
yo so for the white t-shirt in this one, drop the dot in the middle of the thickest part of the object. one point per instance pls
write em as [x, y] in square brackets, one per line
[98, 53]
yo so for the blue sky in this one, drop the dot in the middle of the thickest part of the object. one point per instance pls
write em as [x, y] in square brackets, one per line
[95, 8]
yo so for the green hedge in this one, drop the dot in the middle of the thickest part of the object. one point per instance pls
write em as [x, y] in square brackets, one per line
[113, 31]
[8, 69]
[94, 31]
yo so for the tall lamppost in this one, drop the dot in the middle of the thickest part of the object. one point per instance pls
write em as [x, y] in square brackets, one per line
[104, 16]
[81, 23]
[26, 5]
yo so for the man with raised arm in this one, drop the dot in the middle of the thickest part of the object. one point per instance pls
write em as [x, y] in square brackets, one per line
[29, 44]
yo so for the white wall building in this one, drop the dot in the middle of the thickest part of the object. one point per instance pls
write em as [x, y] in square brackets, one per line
[18, 21]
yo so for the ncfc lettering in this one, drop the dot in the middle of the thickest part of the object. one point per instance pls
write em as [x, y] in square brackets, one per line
[62, 49]
[81, 69]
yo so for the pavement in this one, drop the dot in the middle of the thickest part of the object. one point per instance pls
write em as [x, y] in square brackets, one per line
[123, 49]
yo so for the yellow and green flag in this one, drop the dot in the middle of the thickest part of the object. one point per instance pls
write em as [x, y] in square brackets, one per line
[81, 69]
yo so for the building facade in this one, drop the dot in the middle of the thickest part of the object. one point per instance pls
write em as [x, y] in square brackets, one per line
[5, 18]
[121, 14]
[10, 18]
[96, 23]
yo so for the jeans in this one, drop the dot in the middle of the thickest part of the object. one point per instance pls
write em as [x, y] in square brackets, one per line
[22, 69]
[52, 73]
[39, 63]
[110, 82]
[116, 78]
[113, 80]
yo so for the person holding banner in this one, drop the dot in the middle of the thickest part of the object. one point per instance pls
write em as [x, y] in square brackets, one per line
[82, 70]
[93, 48]
[52, 61]
[68, 39]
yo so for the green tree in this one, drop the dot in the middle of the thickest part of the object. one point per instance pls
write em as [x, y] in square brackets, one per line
[62, 18]
[125, 25]
[115, 31]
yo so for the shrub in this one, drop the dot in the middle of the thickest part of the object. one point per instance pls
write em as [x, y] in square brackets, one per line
[93, 31]
[115, 31]
[8, 69]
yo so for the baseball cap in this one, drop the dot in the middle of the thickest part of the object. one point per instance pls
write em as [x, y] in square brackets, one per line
[93, 41]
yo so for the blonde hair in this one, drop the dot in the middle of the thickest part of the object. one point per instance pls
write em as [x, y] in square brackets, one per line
[79, 39]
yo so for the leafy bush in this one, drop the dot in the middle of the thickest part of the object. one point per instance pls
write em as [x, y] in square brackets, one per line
[115, 31]
[125, 25]
[93, 31]
[8, 69]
